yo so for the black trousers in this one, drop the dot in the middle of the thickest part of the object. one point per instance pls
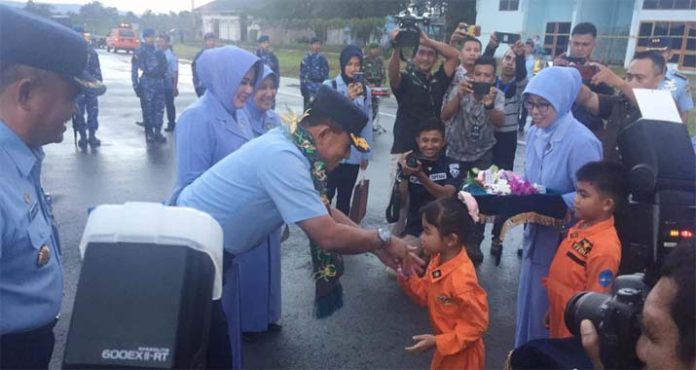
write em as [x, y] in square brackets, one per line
[504, 150]
[28, 350]
[171, 109]
[342, 180]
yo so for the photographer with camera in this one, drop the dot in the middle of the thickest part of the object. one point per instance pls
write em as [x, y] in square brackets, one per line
[667, 339]
[582, 43]
[471, 112]
[645, 71]
[426, 175]
[418, 92]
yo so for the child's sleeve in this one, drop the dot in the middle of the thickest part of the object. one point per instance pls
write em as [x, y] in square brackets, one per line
[415, 288]
[602, 267]
[471, 323]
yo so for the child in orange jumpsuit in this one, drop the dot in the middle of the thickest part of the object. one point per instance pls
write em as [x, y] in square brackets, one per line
[588, 258]
[456, 303]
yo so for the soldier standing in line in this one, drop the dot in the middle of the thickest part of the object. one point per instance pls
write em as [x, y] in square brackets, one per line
[267, 56]
[87, 101]
[150, 85]
[314, 69]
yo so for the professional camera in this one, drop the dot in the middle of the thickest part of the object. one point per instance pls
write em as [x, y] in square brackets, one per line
[616, 317]
[413, 159]
[409, 31]
[660, 164]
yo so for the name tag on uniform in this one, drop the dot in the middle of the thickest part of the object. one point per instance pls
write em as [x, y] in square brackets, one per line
[33, 211]
[438, 176]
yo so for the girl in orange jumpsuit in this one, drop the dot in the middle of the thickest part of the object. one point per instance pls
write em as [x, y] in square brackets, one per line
[456, 303]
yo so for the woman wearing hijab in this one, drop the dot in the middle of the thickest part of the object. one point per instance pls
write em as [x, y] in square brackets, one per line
[259, 268]
[350, 83]
[208, 130]
[557, 146]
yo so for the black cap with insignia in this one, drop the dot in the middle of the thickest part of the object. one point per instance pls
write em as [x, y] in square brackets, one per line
[30, 40]
[659, 43]
[330, 103]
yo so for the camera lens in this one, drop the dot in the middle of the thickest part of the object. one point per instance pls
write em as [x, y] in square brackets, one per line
[585, 305]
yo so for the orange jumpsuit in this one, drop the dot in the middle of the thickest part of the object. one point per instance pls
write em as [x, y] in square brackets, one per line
[458, 311]
[587, 260]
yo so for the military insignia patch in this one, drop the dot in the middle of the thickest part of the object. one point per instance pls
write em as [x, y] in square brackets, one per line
[44, 256]
[606, 277]
[454, 169]
[444, 299]
[583, 247]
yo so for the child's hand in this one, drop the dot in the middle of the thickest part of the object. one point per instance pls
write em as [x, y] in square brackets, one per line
[424, 343]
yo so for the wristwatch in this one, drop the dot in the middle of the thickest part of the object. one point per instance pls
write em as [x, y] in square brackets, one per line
[385, 236]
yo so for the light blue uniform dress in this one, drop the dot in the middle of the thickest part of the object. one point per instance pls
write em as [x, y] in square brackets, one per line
[30, 292]
[259, 268]
[207, 131]
[678, 85]
[553, 156]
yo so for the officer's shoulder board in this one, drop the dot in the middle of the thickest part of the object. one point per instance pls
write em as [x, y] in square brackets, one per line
[680, 75]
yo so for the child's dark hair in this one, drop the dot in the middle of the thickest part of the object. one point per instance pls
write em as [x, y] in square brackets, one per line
[609, 178]
[449, 216]
[431, 124]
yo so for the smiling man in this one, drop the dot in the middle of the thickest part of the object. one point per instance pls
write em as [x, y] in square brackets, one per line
[38, 87]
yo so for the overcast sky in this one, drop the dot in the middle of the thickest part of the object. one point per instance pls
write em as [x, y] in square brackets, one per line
[139, 6]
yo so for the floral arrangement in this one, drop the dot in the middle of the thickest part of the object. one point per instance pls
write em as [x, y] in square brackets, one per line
[495, 181]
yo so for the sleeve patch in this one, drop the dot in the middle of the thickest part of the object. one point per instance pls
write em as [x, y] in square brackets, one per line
[606, 277]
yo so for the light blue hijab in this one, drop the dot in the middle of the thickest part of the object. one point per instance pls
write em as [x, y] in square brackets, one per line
[221, 71]
[559, 86]
[262, 121]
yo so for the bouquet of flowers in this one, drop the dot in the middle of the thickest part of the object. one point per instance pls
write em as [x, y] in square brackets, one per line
[495, 181]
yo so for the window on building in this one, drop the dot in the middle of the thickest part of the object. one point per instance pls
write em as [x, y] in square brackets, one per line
[556, 38]
[681, 35]
[509, 5]
[669, 4]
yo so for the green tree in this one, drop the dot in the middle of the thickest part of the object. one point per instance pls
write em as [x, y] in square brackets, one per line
[43, 10]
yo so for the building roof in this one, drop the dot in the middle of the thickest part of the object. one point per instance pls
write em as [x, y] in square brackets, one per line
[231, 6]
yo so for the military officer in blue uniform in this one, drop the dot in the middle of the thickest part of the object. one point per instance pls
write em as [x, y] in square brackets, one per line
[314, 70]
[267, 56]
[150, 85]
[87, 103]
[675, 82]
[42, 70]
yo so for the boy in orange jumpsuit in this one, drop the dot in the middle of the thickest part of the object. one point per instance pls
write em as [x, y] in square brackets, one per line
[456, 303]
[588, 258]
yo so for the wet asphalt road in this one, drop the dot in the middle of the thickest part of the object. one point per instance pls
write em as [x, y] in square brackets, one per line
[377, 320]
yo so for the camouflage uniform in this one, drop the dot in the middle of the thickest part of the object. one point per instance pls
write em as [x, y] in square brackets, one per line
[314, 70]
[150, 86]
[87, 102]
[374, 75]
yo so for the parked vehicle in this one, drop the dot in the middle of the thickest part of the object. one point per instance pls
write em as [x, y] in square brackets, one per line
[122, 38]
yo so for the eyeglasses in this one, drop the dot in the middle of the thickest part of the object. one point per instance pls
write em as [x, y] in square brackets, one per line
[542, 107]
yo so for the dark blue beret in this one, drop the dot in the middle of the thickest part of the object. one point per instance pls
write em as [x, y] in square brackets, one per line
[209, 36]
[314, 39]
[29, 40]
[332, 104]
[263, 38]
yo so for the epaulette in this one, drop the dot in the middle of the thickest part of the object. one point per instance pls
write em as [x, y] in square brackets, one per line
[678, 74]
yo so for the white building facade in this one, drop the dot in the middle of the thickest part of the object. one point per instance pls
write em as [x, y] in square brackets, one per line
[623, 26]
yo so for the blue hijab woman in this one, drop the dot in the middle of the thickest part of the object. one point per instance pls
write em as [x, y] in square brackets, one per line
[557, 146]
[259, 268]
[210, 129]
[342, 179]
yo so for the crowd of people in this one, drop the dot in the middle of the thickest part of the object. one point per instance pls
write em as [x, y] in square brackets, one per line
[237, 161]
